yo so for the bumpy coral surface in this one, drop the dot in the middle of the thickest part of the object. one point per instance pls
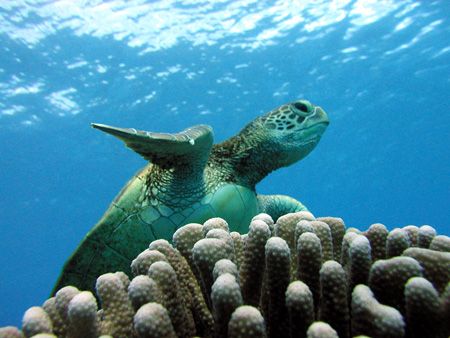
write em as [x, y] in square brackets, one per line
[296, 277]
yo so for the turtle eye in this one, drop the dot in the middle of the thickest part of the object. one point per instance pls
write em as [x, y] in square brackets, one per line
[302, 106]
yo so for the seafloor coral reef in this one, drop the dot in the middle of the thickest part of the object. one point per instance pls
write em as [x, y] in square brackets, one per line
[298, 277]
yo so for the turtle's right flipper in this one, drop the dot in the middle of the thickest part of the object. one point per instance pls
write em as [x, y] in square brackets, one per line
[278, 205]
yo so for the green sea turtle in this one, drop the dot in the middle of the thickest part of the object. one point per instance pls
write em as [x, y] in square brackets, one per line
[190, 180]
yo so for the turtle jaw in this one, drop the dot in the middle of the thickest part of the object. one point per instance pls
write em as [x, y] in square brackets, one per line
[300, 148]
[313, 132]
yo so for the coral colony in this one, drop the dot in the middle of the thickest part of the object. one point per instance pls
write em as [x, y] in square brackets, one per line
[298, 277]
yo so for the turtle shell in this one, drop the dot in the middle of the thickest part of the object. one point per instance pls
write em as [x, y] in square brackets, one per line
[130, 224]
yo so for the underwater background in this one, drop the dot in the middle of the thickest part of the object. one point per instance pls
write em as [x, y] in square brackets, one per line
[380, 69]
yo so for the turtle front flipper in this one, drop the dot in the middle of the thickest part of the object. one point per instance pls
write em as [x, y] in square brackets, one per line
[278, 205]
[191, 146]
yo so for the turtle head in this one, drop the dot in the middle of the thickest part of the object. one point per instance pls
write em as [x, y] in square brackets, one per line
[294, 129]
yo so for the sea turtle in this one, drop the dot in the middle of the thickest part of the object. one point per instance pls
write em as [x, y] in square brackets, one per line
[191, 180]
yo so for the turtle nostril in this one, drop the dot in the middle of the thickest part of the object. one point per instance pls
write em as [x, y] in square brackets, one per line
[301, 106]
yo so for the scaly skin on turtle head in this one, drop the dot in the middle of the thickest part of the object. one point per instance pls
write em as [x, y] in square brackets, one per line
[295, 128]
[277, 139]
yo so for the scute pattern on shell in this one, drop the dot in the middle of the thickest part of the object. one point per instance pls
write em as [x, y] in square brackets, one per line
[210, 284]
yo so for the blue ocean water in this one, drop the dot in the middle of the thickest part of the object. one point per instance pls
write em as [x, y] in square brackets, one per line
[381, 70]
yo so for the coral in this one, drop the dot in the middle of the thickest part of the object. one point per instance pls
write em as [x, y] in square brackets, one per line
[266, 218]
[140, 265]
[436, 265]
[59, 324]
[377, 235]
[252, 269]
[246, 321]
[323, 231]
[73, 313]
[321, 330]
[164, 274]
[180, 266]
[206, 252]
[143, 290]
[226, 297]
[215, 223]
[57, 309]
[10, 332]
[426, 235]
[373, 319]
[333, 300]
[302, 227]
[238, 244]
[185, 238]
[388, 277]
[345, 249]
[63, 298]
[440, 243]
[360, 260]
[397, 241]
[153, 321]
[300, 306]
[278, 274]
[82, 312]
[355, 230]
[285, 228]
[226, 238]
[36, 320]
[422, 309]
[309, 253]
[225, 266]
[197, 310]
[337, 227]
[413, 234]
[302, 277]
[117, 310]
[445, 310]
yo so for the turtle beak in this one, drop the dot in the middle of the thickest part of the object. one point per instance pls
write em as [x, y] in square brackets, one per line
[320, 116]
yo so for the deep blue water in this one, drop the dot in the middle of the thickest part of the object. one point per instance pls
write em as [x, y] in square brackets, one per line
[381, 70]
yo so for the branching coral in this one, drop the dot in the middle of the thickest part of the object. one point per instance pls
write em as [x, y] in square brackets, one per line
[297, 277]
[277, 280]
[300, 306]
[333, 302]
[252, 269]
[152, 321]
[373, 319]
